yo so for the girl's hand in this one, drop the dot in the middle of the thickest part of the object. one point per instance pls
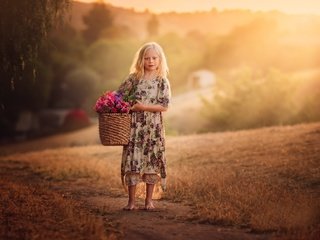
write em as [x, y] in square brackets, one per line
[138, 107]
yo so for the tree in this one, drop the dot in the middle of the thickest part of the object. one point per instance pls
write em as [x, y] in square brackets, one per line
[97, 20]
[81, 85]
[111, 59]
[24, 25]
[153, 26]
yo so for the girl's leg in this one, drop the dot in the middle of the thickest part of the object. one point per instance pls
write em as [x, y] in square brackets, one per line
[132, 198]
[149, 191]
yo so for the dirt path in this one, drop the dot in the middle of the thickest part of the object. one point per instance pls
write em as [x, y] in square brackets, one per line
[169, 221]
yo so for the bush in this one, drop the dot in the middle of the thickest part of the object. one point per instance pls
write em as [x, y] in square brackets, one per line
[251, 100]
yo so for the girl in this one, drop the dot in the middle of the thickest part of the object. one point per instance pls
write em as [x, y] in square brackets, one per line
[143, 159]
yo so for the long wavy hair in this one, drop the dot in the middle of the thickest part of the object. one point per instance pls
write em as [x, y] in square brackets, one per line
[137, 67]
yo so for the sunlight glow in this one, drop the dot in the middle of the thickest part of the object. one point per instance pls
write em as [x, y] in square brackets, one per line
[158, 6]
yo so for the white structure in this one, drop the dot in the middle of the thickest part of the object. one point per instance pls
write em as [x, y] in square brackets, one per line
[201, 79]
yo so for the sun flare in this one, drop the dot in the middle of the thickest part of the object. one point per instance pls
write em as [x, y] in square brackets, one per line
[287, 6]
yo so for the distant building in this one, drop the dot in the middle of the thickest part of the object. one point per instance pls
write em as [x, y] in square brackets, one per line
[201, 79]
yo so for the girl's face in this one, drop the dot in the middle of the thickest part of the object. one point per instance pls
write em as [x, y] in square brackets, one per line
[151, 60]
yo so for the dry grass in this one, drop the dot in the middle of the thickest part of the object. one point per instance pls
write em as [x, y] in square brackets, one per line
[35, 212]
[94, 162]
[266, 179]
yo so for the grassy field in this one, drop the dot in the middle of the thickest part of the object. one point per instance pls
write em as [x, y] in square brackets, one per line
[266, 179]
[29, 212]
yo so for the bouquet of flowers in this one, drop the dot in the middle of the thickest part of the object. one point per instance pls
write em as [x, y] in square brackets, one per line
[114, 119]
[112, 102]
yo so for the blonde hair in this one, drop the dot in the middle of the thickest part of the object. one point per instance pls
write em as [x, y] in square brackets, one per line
[137, 67]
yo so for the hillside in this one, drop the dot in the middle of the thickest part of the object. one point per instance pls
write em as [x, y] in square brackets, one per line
[212, 21]
[250, 184]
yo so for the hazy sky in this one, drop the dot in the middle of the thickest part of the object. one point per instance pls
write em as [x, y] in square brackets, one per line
[288, 6]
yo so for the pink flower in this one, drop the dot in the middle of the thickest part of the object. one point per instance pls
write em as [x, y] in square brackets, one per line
[111, 102]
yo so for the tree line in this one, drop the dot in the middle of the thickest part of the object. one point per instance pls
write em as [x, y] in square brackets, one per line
[60, 67]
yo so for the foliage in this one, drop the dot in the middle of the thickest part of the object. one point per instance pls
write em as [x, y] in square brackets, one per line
[80, 84]
[111, 59]
[245, 45]
[64, 56]
[23, 27]
[153, 26]
[184, 56]
[118, 33]
[85, 63]
[251, 99]
[97, 20]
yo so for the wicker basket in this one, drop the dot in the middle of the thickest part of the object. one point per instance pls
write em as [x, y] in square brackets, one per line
[114, 128]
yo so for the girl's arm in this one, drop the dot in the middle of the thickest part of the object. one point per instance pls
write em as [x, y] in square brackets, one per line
[148, 108]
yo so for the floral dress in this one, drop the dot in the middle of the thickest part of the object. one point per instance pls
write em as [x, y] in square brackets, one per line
[144, 157]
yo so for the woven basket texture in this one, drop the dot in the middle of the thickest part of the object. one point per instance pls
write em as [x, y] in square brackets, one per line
[114, 128]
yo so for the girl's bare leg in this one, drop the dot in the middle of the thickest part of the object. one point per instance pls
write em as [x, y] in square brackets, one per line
[132, 198]
[149, 191]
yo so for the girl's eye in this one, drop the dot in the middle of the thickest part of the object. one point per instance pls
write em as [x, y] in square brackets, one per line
[153, 58]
